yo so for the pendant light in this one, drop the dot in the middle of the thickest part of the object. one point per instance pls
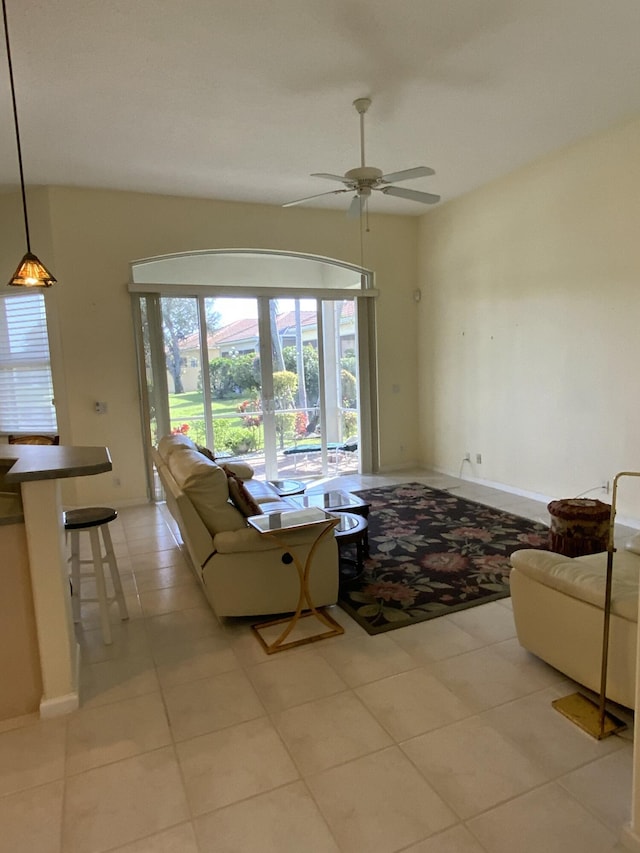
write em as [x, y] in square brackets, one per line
[31, 272]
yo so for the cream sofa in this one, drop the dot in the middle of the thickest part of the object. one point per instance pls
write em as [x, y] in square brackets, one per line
[558, 611]
[243, 572]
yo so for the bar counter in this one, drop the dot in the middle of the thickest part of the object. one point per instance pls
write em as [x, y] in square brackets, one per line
[31, 514]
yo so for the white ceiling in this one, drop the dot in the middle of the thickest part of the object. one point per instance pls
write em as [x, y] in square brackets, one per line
[242, 99]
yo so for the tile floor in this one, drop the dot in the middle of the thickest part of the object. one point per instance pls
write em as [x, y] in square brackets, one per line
[436, 738]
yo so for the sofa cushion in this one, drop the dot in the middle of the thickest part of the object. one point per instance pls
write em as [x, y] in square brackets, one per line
[584, 577]
[261, 491]
[205, 484]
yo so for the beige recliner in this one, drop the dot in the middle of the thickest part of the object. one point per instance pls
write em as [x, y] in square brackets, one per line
[243, 573]
[558, 612]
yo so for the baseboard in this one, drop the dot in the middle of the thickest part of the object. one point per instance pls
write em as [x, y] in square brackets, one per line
[68, 702]
[629, 839]
[59, 705]
[491, 484]
[403, 466]
[535, 496]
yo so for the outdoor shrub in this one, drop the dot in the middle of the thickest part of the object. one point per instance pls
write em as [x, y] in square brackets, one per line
[302, 422]
[233, 376]
[234, 439]
[197, 432]
[285, 385]
[194, 429]
[310, 367]
[349, 393]
[254, 406]
[349, 424]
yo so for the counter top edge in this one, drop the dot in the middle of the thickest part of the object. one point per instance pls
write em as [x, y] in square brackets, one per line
[51, 462]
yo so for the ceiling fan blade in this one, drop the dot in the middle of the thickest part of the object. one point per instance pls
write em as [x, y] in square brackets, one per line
[310, 197]
[408, 174]
[330, 177]
[355, 208]
[414, 195]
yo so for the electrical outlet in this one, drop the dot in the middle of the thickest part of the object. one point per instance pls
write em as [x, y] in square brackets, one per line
[479, 458]
[467, 457]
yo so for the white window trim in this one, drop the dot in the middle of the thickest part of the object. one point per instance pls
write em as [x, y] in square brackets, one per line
[26, 382]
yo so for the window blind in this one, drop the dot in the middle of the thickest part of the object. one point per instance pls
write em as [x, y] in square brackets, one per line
[26, 387]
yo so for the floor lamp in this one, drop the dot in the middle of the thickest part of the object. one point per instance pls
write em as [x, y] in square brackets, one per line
[585, 713]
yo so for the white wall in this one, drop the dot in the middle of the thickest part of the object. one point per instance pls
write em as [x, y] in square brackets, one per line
[94, 236]
[529, 343]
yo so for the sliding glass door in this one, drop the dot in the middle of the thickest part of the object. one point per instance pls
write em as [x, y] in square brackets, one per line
[273, 381]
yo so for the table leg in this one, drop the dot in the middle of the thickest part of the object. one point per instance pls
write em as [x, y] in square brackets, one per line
[304, 598]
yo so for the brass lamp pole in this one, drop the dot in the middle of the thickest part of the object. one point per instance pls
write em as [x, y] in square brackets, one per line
[31, 271]
[578, 708]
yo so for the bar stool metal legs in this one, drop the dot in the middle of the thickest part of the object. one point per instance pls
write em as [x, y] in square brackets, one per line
[95, 520]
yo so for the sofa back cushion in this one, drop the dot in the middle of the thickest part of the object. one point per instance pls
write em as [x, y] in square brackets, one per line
[168, 444]
[205, 484]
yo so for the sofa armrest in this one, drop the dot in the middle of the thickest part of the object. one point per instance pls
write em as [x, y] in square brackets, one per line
[540, 561]
[240, 469]
[248, 540]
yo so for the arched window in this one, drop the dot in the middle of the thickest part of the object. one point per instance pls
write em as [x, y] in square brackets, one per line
[260, 355]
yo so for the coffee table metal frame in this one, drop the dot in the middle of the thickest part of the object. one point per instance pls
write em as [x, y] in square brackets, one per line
[324, 524]
[356, 534]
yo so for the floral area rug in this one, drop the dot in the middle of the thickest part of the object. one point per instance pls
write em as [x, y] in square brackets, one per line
[432, 553]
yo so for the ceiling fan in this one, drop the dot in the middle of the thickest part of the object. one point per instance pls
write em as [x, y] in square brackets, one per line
[365, 179]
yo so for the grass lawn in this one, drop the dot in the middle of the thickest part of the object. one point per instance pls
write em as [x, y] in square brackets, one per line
[189, 405]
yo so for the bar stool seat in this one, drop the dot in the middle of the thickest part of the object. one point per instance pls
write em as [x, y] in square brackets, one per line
[95, 520]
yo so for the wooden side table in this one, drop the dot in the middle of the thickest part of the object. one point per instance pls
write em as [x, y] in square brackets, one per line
[276, 525]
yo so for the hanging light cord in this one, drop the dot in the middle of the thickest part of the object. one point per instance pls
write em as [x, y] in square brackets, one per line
[15, 119]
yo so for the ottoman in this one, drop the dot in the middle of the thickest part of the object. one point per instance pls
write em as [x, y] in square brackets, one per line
[578, 526]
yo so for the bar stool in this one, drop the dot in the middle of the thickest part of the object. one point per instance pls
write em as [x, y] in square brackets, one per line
[95, 519]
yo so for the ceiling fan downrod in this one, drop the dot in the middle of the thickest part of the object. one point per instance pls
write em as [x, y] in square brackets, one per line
[362, 105]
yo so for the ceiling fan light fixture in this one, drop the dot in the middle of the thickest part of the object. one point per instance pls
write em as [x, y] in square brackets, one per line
[31, 272]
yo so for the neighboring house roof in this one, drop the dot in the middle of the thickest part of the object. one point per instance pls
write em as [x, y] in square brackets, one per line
[236, 330]
[246, 329]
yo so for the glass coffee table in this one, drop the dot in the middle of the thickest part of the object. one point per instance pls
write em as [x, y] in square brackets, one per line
[285, 488]
[337, 500]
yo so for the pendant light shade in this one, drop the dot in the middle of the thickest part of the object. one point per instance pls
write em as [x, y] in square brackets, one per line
[31, 272]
